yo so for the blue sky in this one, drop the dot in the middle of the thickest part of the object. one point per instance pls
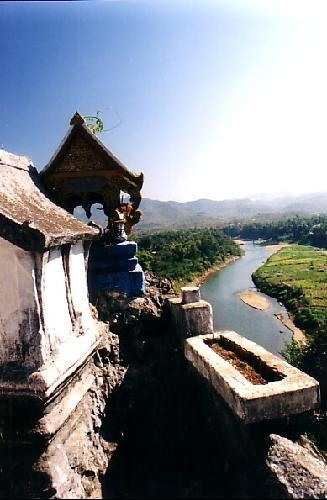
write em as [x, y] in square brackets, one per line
[217, 99]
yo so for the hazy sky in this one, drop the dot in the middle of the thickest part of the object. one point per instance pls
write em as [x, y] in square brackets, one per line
[214, 99]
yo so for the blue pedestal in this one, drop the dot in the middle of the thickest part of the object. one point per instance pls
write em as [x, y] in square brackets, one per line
[115, 267]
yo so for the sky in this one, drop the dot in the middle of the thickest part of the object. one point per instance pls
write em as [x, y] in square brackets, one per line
[209, 99]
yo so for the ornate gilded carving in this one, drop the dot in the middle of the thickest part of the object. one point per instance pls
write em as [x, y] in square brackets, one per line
[83, 172]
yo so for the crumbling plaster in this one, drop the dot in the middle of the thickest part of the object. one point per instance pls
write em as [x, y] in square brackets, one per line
[19, 308]
[46, 322]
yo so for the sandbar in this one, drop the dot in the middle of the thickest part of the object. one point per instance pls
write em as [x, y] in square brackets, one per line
[255, 300]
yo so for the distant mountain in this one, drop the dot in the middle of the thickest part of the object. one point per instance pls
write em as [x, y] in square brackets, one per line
[171, 213]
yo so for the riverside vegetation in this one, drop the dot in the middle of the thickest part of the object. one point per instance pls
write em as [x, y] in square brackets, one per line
[304, 230]
[296, 276]
[183, 255]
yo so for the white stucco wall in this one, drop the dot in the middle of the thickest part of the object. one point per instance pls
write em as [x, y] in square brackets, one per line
[36, 326]
[20, 332]
[78, 285]
[58, 324]
[80, 338]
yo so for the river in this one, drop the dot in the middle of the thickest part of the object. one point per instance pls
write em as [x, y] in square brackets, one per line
[221, 289]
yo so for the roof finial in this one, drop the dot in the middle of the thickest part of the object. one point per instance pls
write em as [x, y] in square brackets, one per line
[77, 119]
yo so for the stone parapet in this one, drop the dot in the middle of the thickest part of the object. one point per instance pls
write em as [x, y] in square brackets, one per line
[190, 294]
[287, 391]
[190, 314]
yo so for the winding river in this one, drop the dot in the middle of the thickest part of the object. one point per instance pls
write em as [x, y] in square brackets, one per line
[221, 289]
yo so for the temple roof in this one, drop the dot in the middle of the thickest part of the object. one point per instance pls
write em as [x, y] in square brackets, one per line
[81, 152]
[28, 218]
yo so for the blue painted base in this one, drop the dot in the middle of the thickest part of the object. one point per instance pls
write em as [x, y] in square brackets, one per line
[115, 267]
[132, 283]
[127, 249]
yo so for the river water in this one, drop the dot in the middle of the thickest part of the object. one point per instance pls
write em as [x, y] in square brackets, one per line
[221, 289]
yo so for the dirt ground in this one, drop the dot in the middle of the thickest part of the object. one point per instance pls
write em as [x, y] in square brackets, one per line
[247, 371]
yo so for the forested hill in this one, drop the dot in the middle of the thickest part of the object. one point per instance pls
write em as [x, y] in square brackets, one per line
[304, 230]
[160, 214]
[185, 254]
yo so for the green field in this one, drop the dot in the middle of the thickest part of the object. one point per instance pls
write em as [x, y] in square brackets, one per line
[297, 276]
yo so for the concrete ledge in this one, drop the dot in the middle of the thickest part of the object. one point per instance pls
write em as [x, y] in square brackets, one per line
[294, 392]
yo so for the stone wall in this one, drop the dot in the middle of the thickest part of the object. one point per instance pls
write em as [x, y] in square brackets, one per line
[178, 438]
[147, 426]
[67, 452]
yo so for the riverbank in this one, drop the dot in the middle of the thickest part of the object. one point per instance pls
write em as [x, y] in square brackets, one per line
[253, 298]
[201, 279]
[222, 290]
[296, 277]
[272, 248]
[257, 301]
[275, 248]
[297, 334]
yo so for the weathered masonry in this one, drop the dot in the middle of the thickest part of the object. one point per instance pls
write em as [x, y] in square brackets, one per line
[253, 393]
[48, 335]
[287, 390]
[283, 391]
[46, 324]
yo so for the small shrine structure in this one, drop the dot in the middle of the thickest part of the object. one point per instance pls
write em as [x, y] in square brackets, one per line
[83, 172]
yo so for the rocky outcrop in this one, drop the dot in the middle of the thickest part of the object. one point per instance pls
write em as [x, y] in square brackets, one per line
[297, 470]
[88, 449]
[140, 316]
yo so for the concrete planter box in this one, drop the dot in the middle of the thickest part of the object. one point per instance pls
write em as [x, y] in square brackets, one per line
[287, 391]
